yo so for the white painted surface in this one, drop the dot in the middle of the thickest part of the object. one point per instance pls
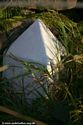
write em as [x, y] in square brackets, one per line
[36, 44]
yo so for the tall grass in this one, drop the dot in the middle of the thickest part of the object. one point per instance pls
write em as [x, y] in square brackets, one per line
[62, 102]
[63, 28]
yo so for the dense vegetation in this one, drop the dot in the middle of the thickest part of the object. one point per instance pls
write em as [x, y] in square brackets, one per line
[63, 104]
